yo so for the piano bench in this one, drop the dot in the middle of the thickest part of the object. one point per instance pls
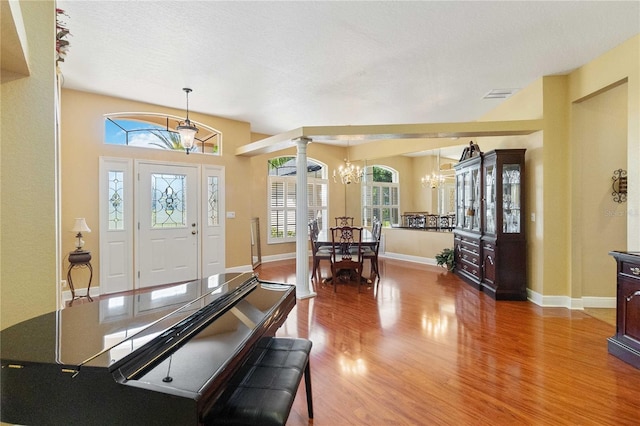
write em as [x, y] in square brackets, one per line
[262, 391]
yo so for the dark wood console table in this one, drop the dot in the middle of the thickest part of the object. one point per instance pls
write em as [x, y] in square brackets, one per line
[625, 344]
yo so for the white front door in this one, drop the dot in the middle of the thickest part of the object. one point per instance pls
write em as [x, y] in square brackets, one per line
[168, 224]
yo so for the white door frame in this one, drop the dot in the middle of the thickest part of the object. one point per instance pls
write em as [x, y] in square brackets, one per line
[119, 262]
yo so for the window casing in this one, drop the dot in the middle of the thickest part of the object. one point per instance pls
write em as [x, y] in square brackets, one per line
[282, 197]
[381, 195]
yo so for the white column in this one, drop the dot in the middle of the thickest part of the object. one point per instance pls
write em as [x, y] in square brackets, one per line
[303, 280]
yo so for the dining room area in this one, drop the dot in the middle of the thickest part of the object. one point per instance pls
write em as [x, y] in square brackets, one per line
[346, 248]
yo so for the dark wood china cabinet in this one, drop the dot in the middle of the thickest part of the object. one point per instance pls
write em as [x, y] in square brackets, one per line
[489, 238]
[625, 344]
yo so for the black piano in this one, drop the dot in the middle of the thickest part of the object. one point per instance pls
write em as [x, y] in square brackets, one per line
[160, 356]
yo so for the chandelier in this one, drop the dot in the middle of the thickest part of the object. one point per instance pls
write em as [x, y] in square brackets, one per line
[348, 173]
[186, 130]
[432, 181]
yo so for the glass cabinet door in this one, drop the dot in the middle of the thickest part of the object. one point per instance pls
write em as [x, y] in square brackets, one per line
[460, 201]
[511, 214]
[468, 199]
[490, 200]
[474, 213]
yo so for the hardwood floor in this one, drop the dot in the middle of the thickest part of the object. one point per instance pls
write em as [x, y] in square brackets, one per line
[424, 348]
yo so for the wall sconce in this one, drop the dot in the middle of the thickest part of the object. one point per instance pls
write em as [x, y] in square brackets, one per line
[80, 226]
[619, 186]
[186, 130]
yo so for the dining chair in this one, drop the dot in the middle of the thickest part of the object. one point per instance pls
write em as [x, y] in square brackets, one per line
[317, 253]
[432, 221]
[344, 221]
[371, 251]
[346, 254]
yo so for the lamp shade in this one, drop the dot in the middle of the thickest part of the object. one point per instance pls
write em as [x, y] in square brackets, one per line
[187, 135]
[80, 225]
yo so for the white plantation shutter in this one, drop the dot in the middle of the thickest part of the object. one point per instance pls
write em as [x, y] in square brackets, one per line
[282, 200]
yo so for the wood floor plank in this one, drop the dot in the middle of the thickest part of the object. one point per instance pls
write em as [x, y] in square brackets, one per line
[424, 348]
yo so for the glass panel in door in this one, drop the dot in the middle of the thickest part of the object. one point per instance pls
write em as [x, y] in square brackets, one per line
[475, 200]
[168, 239]
[511, 214]
[460, 213]
[490, 200]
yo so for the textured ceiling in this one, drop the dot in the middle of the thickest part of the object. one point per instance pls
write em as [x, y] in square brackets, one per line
[283, 65]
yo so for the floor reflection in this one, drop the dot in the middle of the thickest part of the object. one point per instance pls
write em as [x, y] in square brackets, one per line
[425, 348]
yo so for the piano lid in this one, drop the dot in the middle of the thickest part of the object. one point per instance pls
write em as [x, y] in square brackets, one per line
[104, 332]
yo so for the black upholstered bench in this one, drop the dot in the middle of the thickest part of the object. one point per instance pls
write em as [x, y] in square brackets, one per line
[263, 390]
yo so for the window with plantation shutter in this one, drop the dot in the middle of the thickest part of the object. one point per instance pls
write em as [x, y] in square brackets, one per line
[380, 196]
[282, 197]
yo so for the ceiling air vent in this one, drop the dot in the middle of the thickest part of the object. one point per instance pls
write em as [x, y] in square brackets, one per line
[499, 93]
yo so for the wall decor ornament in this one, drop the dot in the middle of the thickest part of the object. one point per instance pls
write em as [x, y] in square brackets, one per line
[619, 186]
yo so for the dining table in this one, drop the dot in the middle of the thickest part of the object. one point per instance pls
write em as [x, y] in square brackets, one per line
[366, 240]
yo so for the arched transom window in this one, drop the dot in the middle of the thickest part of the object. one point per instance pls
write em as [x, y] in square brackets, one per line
[157, 131]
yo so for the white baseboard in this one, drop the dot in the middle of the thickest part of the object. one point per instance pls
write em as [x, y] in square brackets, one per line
[66, 294]
[276, 257]
[409, 258]
[241, 268]
[599, 302]
[569, 302]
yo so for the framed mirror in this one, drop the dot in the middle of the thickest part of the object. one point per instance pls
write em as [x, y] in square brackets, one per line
[256, 257]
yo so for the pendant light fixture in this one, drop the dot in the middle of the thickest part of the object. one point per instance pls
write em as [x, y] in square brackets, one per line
[348, 172]
[434, 180]
[186, 130]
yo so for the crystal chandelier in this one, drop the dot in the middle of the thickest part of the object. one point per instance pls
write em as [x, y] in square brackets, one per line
[432, 181]
[348, 173]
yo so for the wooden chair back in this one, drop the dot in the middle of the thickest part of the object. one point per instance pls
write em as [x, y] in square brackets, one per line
[316, 253]
[344, 221]
[346, 254]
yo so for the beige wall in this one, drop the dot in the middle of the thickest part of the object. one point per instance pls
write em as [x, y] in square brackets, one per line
[604, 135]
[82, 146]
[599, 132]
[621, 64]
[28, 187]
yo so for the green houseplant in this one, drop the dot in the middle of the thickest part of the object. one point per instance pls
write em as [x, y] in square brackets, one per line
[446, 258]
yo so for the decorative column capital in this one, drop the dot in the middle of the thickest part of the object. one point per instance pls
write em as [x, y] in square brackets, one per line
[302, 141]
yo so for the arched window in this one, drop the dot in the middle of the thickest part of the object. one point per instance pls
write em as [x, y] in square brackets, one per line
[157, 131]
[282, 197]
[380, 195]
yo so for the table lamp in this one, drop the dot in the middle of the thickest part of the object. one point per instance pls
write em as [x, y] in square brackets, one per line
[80, 226]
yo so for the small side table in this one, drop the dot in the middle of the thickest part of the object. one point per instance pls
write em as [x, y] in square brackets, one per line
[79, 259]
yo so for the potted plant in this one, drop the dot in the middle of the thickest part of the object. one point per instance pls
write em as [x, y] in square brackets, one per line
[446, 258]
